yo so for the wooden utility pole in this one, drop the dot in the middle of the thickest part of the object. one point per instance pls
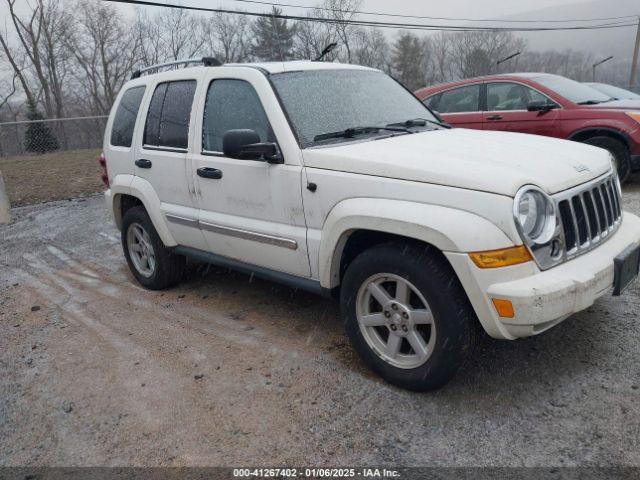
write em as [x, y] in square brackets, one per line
[634, 64]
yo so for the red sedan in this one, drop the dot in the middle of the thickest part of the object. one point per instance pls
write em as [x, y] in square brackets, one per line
[541, 104]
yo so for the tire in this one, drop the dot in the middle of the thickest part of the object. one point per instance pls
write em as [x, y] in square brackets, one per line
[619, 151]
[163, 269]
[432, 281]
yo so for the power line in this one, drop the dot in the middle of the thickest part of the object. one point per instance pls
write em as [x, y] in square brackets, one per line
[424, 17]
[371, 23]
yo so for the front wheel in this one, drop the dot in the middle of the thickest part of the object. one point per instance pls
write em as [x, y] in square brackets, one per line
[407, 316]
[619, 151]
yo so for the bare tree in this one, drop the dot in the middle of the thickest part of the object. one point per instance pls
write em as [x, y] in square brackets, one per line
[229, 38]
[312, 37]
[569, 63]
[170, 35]
[340, 13]
[39, 57]
[476, 53]
[105, 49]
[371, 49]
[441, 46]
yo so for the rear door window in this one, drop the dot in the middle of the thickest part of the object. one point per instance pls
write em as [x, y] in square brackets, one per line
[167, 124]
[125, 119]
[460, 100]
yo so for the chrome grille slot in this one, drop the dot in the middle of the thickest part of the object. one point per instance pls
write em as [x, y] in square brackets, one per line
[602, 219]
[581, 220]
[589, 214]
[570, 239]
[607, 205]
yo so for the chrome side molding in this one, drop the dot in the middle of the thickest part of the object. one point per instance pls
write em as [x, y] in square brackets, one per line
[234, 232]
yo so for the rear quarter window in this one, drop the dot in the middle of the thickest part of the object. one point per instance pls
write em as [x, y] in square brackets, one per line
[125, 119]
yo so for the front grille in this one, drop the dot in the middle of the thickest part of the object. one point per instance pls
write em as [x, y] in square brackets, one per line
[589, 214]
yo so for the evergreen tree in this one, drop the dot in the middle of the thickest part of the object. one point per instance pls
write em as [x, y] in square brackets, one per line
[38, 138]
[273, 38]
[408, 60]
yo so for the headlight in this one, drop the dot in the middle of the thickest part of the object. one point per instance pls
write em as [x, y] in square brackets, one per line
[634, 115]
[535, 215]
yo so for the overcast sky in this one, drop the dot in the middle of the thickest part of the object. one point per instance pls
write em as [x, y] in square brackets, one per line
[617, 42]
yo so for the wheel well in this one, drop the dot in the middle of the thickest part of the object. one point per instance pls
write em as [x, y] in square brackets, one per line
[360, 240]
[583, 135]
[122, 204]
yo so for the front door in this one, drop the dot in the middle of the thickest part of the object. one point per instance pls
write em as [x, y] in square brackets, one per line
[249, 210]
[507, 110]
[162, 159]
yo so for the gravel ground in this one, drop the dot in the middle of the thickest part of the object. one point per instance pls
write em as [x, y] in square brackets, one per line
[224, 370]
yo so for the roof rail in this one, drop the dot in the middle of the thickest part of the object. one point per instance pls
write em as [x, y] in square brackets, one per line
[206, 61]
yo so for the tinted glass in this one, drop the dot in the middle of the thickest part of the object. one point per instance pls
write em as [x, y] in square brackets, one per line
[326, 101]
[125, 119]
[230, 105]
[176, 112]
[505, 96]
[571, 90]
[432, 102]
[152, 125]
[169, 113]
[463, 99]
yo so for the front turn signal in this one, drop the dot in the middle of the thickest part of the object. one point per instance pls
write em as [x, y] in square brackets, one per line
[504, 308]
[501, 258]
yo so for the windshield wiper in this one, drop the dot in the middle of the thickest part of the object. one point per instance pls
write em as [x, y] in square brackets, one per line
[352, 132]
[418, 122]
[593, 102]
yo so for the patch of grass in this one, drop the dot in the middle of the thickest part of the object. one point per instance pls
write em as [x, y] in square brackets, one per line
[51, 176]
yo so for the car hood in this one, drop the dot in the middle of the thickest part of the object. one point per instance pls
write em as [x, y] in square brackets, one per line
[497, 162]
[618, 105]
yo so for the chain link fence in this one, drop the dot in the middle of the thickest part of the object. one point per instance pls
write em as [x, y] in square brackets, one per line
[33, 137]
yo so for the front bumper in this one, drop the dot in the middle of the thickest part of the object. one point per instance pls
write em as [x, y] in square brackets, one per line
[542, 299]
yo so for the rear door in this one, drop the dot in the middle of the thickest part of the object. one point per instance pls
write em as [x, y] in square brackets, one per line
[506, 110]
[162, 158]
[459, 106]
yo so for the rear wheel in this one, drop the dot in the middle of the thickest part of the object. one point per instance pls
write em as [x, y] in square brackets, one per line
[619, 151]
[407, 316]
[154, 265]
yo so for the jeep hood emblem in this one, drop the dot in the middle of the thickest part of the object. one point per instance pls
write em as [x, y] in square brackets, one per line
[581, 168]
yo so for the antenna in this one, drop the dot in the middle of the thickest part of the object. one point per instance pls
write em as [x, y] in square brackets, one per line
[328, 49]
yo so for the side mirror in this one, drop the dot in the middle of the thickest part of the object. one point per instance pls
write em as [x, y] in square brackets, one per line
[244, 144]
[540, 106]
[438, 116]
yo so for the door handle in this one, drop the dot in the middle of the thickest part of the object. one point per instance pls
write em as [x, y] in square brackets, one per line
[208, 172]
[143, 163]
[494, 117]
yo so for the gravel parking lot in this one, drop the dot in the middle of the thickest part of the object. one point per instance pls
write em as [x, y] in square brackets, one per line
[229, 370]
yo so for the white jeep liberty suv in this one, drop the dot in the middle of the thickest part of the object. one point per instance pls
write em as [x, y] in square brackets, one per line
[336, 179]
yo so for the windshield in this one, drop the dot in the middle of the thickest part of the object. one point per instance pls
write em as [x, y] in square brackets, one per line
[320, 102]
[571, 90]
[615, 92]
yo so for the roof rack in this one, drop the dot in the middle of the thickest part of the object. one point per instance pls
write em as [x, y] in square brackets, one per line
[206, 61]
